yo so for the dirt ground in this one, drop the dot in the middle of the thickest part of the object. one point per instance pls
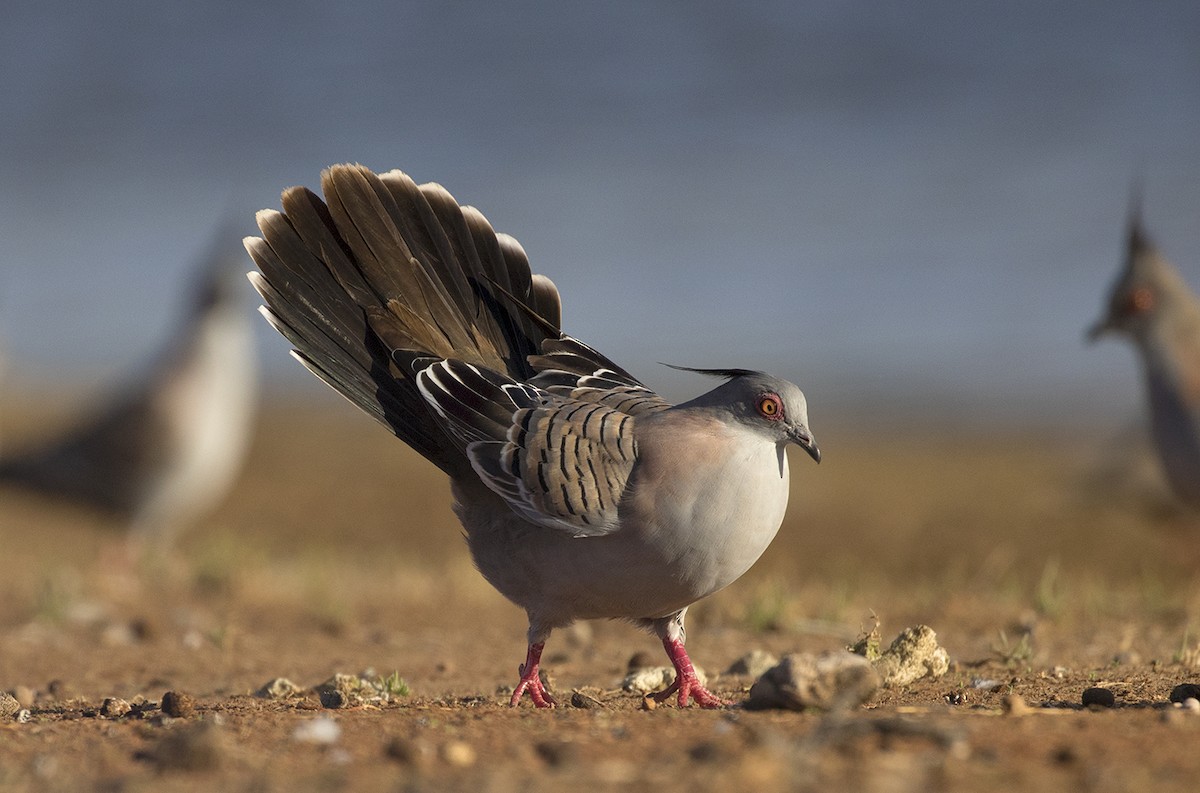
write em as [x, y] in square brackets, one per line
[1042, 560]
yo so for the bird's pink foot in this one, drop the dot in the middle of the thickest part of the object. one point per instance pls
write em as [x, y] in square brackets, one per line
[531, 681]
[687, 684]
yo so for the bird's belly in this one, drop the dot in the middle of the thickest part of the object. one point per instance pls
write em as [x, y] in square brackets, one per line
[669, 553]
[1176, 429]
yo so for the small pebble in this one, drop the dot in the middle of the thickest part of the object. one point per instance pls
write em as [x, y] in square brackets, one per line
[1064, 755]
[581, 700]
[279, 688]
[45, 766]
[142, 629]
[25, 695]
[409, 752]
[1014, 705]
[834, 680]
[1191, 705]
[705, 752]
[59, 691]
[8, 705]
[178, 704]
[1173, 716]
[114, 708]
[1185, 690]
[1098, 697]
[556, 753]
[321, 730]
[118, 634]
[649, 703]
[334, 699]
[458, 753]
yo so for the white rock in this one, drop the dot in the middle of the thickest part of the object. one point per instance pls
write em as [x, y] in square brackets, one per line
[459, 754]
[913, 655]
[321, 730]
[656, 678]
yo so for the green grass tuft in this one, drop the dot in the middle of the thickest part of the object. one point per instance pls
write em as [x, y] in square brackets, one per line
[393, 685]
[1012, 654]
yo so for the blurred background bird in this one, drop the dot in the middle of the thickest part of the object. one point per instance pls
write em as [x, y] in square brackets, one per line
[1152, 305]
[167, 444]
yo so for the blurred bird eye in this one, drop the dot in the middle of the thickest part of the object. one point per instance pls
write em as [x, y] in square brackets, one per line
[1141, 301]
[770, 406]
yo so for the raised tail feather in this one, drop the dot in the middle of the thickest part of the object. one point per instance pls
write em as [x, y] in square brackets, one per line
[386, 274]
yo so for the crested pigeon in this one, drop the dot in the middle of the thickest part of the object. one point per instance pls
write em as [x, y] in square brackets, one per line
[169, 442]
[1151, 304]
[583, 493]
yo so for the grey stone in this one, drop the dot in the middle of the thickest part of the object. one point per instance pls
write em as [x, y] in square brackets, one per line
[279, 688]
[830, 681]
[8, 705]
[177, 704]
[753, 664]
[114, 708]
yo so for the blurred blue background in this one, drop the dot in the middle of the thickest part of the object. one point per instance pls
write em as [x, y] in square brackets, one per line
[894, 204]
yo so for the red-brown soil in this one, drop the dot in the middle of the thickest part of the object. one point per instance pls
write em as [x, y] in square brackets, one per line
[1043, 572]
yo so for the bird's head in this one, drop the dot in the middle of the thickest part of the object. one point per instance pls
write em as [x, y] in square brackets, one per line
[1144, 290]
[768, 405]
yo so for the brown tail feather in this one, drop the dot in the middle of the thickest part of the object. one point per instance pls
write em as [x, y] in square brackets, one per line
[386, 273]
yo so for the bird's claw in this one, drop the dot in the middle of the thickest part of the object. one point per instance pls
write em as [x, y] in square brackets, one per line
[690, 688]
[531, 681]
[537, 692]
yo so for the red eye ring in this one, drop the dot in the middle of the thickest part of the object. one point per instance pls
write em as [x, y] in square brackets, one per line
[1141, 300]
[770, 407]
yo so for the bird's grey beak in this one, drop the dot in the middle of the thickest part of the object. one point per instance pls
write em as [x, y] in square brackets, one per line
[804, 439]
[1099, 329]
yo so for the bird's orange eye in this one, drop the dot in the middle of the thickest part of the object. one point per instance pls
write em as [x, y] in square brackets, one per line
[770, 407]
[1141, 301]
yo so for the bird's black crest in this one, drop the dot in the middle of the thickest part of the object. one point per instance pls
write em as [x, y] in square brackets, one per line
[728, 374]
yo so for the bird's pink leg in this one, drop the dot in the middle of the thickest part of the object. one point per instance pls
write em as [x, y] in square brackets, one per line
[687, 684]
[531, 682]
